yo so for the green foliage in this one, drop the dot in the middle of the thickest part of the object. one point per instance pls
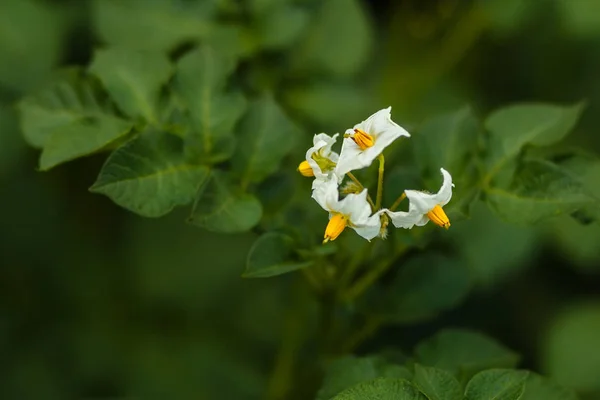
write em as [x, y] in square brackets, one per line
[150, 175]
[272, 255]
[463, 353]
[211, 104]
[133, 79]
[349, 371]
[497, 384]
[266, 135]
[426, 285]
[572, 336]
[437, 384]
[382, 389]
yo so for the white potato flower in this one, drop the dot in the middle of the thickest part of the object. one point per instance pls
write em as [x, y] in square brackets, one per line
[424, 207]
[363, 143]
[320, 159]
[352, 211]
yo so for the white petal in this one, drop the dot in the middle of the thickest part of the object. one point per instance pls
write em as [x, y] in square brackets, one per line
[326, 193]
[356, 207]
[321, 143]
[445, 193]
[384, 132]
[422, 221]
[421, 202]
[349, 160]
[403, 219]
[371, 227]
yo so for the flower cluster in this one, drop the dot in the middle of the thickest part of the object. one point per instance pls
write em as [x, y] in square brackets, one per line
[361, 145]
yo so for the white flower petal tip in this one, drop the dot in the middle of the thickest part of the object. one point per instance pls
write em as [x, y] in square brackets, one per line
[366, 140]
[425, 207]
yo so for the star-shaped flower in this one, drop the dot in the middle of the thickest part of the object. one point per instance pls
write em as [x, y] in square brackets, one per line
[424, 206]
[353, 211]
[363, 143]
[320, 159]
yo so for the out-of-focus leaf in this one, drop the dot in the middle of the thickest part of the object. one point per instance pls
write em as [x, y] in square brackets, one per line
[540, 190]
[348, 371]
[200, 79]
[578, 242]
[339, 41]
[514, 126]
[506, 16]
[463, 353]
[266, 136]
[281, 27]
[497, 384]
[150, 175]
[276, 192]
[477, 241]
[382, 389]
[152, 25]
[69, 119]
[571, 349]
[581, 18]
[272, 255]
[30, 42]
[437, 384]
[447, 141]
[329, 104]
[133, 78]
[426, 285]
[220, 207]
[541, 388]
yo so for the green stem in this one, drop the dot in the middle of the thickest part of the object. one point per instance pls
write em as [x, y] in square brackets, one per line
[354, 264]
[361, 187]
[371, 277]
[368, 329]
[380, 183]
[398, 201]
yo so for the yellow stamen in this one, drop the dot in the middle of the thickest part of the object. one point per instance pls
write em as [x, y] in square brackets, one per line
[363, 139]
[336, 225]
[439, 217]
[305, 169]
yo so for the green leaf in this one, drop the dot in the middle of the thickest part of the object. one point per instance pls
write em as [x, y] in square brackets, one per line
[69, 118]
[514, 126]
[272, 255]
[339, 41]
[350, 370]
[437, 384]
[447, 141]
[31, 34]
[281, 27]
[81, 138]
[329, 103]
[199, 81]
[463, 353]
[571, 347]
[580, 18]
[220, 207]
[266, 136]
[152, 25]
[134, 79]
[426, 285]
[541, 388]
[381, 389]
[150, 175]
[540, 189]
[497, 384]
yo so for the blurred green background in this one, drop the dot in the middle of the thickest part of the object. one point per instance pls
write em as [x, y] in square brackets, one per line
[98, 303]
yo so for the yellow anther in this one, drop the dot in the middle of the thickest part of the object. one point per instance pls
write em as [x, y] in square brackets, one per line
[363, 139]
[305, 169]
[336, 225]
[439, 217]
